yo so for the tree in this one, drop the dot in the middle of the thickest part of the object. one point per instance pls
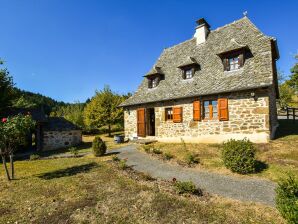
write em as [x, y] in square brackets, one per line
[6, 89]
[103, 109]
[285, 95]
[293, 81]
[13, 133]
[73, 113]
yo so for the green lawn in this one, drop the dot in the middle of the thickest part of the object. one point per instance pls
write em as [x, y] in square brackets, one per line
[94, 190]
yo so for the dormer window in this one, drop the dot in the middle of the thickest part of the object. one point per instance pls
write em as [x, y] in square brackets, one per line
[154, 76]
[233, 60]
[189, 67]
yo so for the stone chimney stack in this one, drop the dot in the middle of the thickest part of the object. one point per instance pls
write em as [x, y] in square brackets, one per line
[202, 31]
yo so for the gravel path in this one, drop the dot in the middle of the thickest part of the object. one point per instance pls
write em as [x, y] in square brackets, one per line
[244, 189]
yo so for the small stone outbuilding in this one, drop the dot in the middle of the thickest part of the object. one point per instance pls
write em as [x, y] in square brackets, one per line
[218, 85]
[59, 133]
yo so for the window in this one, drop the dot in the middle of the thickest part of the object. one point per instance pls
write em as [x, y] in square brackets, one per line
[210, 109]
[188, 73]
[234, 63]
[153, 82]
[169, 114]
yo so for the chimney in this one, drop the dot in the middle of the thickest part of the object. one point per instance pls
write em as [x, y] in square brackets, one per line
[202, 31]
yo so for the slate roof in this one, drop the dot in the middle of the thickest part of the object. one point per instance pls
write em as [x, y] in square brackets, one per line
[211, 77]
[59, 124]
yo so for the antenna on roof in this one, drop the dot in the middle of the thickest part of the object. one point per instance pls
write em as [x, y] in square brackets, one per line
[245, 13]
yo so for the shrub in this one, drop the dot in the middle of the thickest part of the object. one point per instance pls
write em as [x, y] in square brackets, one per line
[146, 176]
[192, 158]
[34, 157]
[168, 156]
[183, 187]
[99, 146]
[239, 156]
[74, 151]
[115, 158]
[157, 151]
[287, 199]
[123, 165]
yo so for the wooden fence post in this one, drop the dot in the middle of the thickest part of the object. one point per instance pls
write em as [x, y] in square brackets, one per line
[294, 115]
[287, 113]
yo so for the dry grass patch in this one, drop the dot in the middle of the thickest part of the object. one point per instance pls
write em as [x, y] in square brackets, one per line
[90, 190]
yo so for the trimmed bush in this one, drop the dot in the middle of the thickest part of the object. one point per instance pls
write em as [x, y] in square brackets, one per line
[191, 158]
[99, 146]
[239, 156]
[34, 157]
[287, 199]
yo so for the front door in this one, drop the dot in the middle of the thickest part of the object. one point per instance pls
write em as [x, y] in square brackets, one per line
[151, 122]
[141, 122]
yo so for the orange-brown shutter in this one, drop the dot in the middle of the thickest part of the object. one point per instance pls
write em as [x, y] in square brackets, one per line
[177, 114]
[141, 124]
[223, 112]
[197, 110]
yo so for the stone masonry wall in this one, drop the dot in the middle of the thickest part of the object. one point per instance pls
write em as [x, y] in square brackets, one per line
[61, 139]
[248, 117]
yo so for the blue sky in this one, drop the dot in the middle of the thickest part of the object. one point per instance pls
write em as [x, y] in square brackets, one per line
[68, 49]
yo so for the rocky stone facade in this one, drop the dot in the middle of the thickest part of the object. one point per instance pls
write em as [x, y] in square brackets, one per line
[251, 115]
[61, 139]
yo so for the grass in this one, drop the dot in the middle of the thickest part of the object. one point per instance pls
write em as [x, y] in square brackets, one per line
[92, 190]
[276, 159]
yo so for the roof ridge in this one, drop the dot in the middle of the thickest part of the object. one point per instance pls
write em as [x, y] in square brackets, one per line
[226, 25]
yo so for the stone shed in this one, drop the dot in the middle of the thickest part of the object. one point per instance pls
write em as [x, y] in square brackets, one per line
[60, 133]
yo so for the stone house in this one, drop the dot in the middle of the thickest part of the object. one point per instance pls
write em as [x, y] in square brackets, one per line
[218, 85]
[59, 133]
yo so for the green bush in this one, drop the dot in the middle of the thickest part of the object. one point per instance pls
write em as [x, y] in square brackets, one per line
[287, 199]
[191, 158]
[168, 156]
[99, 146]
[34, 157]
[183, 187]
[123, 165]
[239, 156]
[74, 151]
[157, 151]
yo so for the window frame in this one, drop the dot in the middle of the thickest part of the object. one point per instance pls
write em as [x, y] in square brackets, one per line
[210, 109]
[239, 54]
[171, 114]
[150, 81]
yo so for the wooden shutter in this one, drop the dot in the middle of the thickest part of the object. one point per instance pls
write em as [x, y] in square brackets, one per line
[141, 123]
[177, 114]
[241, 59]
[183, 74]
[226, 64]
[149, 83]
[223, 112]
[197, 110]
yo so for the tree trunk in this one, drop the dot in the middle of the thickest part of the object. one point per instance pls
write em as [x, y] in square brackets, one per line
[5, 167]
[110, 130]
[11, 165]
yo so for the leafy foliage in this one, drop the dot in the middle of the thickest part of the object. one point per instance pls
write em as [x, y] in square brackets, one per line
[103, 109]
[99, 146]
[168, 156]
[287, 199]
[293, 81]
[74, 151]
[156, 151]
[192, 158]
[122, 164]
[72, 112]
[183, 187]
[286, 94]
[7, 92]
[239, 156]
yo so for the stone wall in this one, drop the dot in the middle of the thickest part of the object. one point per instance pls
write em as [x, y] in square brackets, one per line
[61, 139]
[248, 117]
